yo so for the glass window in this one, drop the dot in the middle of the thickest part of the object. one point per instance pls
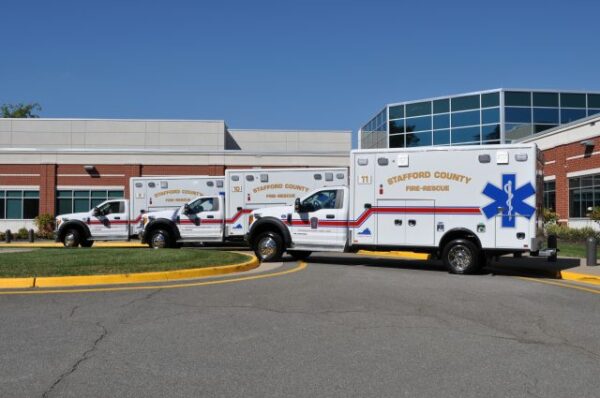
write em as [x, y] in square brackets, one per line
[396, 112]
[81, 194]
[584, 194]
[515, 131]
[397, 126]
[418, 123]
[441, 137]
[112, 208]
[14, 194]
[75, 201]
[545, 115]
[545, 99]
[490, 132]
[65, 206]
[517, 98]
[465, 119]
[593, 111]
[467, 134]
[593, 101]
[2, 206]
[538, 128]
[204, 204]
[569, 115]
[572, 100]
[550, 195]
[115, 194]
[489, 100]
[397, 141]
[441, 106]
[81, 205]
[31, 208]
[464, 103]
[322, 200]
[31, 194]
[490, 115]
[517, 115]
[418, 139]
[14, 209]
[441, 121]
[99, 194]
[418, 109]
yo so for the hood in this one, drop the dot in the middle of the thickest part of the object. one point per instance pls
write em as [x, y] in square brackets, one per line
[74, 216]
[278, 212]
[168, 214]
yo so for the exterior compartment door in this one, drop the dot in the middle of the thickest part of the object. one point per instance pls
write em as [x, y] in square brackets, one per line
[420, 222]
[391, 222]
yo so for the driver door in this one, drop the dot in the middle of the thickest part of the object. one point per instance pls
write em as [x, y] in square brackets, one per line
[110, 221]
[203, 220]
[321, 220]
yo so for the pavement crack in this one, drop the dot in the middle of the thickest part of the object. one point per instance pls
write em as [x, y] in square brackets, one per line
[145, 297]
[84, 357]
[73, 311]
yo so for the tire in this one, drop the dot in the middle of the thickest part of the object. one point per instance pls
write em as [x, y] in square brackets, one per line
[160, 239]
[461, 256]
[268, 247]
[71, 238]
[87, 243]
[299, 254]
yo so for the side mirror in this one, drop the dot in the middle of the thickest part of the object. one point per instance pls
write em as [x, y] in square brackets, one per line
[297, 205]
[186, 209]
[96, 212]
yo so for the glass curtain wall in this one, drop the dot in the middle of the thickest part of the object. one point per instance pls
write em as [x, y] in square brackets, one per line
[374, 133]
[75, 201]
[16, 204]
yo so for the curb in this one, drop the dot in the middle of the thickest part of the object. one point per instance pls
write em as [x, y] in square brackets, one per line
[582, 278]
[396, 254]
[60, 245]
[117, 279]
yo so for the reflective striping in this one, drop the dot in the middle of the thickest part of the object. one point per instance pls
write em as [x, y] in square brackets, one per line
[238, 215]
[388, 210]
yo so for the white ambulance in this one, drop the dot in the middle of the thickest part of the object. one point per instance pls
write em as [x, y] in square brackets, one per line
[463, 204]
[119, 219]
[219, 218]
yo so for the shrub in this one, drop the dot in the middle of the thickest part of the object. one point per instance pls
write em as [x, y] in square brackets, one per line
[549, 216]
[22, 233]
[571, 234]
[45, 225]
[2, 236]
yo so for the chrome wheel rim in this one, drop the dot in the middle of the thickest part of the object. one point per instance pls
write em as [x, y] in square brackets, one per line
[267, 248]
[70, 240]
[460, 257]
[159, 241]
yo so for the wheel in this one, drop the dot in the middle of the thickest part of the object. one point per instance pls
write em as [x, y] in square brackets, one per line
[299, 254]
[87, 243]
[72, 238]
[461, 256]
[268, 246]
[159, 239]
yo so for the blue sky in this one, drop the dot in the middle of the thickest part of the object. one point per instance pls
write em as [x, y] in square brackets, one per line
[287, 65]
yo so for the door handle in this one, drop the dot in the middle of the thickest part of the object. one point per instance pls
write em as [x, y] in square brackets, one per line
[367, 206]
[330, 216]
[412, 223]
[117, 218]
[210, 216]
[397, 222]
[239, 209]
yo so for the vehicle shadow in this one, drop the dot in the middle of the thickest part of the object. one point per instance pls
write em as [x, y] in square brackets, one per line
[534, 267]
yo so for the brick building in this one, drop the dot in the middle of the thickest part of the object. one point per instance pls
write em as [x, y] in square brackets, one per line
[64, 165]
[572, 169]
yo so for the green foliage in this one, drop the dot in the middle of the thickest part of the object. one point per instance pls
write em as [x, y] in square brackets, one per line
[550, 217]
[20, 110]
[571, 234]
[2, 236]
[595, 214]
[45, 225]
[22, 233]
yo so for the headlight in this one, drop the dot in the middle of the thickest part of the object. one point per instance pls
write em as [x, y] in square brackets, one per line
[250, 219]
[144, 220]
[58, 222]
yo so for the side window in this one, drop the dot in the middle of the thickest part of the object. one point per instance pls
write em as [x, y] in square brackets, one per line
[322, 200]
[113, 208]
[204, 204]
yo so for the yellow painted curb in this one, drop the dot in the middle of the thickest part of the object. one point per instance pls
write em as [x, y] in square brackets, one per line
[58, 245]
[396, 254]
[583, 278]
[115, 279]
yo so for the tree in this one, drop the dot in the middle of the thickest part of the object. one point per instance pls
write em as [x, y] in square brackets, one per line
[20, 110]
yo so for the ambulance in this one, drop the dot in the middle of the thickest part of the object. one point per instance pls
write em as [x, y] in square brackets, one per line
[463, 204]
[119, 219]
[223, 218]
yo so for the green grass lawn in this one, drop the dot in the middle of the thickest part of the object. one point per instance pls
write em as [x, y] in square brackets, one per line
[80, 261]
[573, 249]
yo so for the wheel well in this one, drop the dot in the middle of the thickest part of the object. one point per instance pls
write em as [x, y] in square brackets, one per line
[82, 229]
[459, 234]
[166, 225]
[269, 226]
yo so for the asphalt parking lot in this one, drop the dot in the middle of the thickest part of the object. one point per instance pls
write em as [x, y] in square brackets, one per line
[336, 326]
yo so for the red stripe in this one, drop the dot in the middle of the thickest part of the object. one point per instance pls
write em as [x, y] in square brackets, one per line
[238, 215]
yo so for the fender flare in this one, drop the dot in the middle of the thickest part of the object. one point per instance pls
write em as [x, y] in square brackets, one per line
[165, 224]
[464, 232]
[272, 223]
[77, 224]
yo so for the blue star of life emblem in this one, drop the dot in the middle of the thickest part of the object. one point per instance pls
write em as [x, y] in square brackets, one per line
[510, 199]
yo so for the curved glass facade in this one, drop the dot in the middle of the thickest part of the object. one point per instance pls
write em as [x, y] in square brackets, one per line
[486, 117]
